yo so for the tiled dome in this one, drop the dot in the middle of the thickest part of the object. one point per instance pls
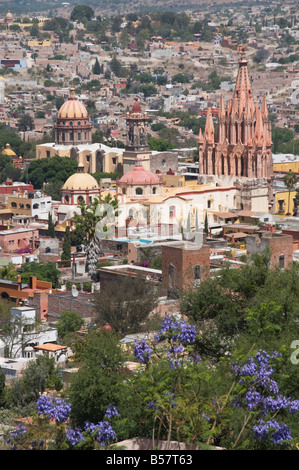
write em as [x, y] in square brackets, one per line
[139, 176]
[72, 108]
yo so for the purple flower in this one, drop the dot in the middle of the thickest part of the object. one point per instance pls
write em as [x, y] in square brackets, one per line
[176, 330]
[54, 408]
[111, 411]
[102, 431]
[18, 432]
[74, 436]
[278, 432]
[142, 351]
[252, 399]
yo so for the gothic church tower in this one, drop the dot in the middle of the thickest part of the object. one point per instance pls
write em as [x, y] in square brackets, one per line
[242, 150]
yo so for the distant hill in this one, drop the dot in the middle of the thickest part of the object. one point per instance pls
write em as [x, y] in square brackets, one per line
[116, 7]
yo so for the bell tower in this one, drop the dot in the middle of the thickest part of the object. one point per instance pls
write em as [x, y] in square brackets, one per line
[136, 143]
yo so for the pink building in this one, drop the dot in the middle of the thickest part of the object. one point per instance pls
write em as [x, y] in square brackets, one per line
[16, 239]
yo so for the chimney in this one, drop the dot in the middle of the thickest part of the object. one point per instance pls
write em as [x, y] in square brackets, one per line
[32, 282]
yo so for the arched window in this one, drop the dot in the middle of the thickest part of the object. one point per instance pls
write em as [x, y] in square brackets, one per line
[154, 190]
[80, 199]
[124, 190]
[139, 191]
[66, 199]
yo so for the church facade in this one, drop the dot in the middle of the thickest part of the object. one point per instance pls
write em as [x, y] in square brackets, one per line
[242, 150]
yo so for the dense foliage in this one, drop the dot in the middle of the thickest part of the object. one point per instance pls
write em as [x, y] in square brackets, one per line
[226, 377]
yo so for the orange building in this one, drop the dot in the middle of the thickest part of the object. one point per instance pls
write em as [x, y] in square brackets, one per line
[35, 293]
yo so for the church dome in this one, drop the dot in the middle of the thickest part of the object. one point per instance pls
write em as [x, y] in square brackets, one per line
[139, 175]
[8, 151]
[8, 16]
[80, 182]
[136, 108]
[72, 108]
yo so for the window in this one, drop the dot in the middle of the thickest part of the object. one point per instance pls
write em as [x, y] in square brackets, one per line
[139, 191]
[79, 135]
[154, 190]
[48, 153]
[197, 273]
[281, 261]
[172, 211]
[171, 274]
[124, 190]
[66, 199]
[209, 204]
[80, 199]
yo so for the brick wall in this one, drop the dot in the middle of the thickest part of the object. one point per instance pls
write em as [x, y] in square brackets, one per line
[281, 247]
[184, 265]
[57, 303]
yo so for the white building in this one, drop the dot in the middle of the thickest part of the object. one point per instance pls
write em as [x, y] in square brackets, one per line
[28, 333]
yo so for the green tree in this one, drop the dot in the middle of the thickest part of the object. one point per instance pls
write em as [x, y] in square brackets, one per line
[99, 381]
[82, 13]
[97, 69]
[25, 123]
[43, 272]
[66, 246]
[96, 221]
[206, 228]
[69, 322]
[51, 226]
[290, 179]
[51, 170]
[125, 304]
[37, 376]
[8, 170]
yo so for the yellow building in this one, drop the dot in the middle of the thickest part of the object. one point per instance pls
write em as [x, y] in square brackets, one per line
[36, 43]
[283, 162]
[284, 202]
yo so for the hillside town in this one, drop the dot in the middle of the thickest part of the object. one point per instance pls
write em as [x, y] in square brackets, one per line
[145, 157]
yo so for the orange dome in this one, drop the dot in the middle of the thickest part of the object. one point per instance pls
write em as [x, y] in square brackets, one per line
[72, 108]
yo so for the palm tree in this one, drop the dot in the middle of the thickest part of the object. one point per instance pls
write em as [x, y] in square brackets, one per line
[290, 179]
[95, 221]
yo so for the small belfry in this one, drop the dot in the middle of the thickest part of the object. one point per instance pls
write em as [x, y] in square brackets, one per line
[136, 122]
[243, 145]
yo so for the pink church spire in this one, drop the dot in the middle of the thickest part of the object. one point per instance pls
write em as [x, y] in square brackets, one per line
[209, 134]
